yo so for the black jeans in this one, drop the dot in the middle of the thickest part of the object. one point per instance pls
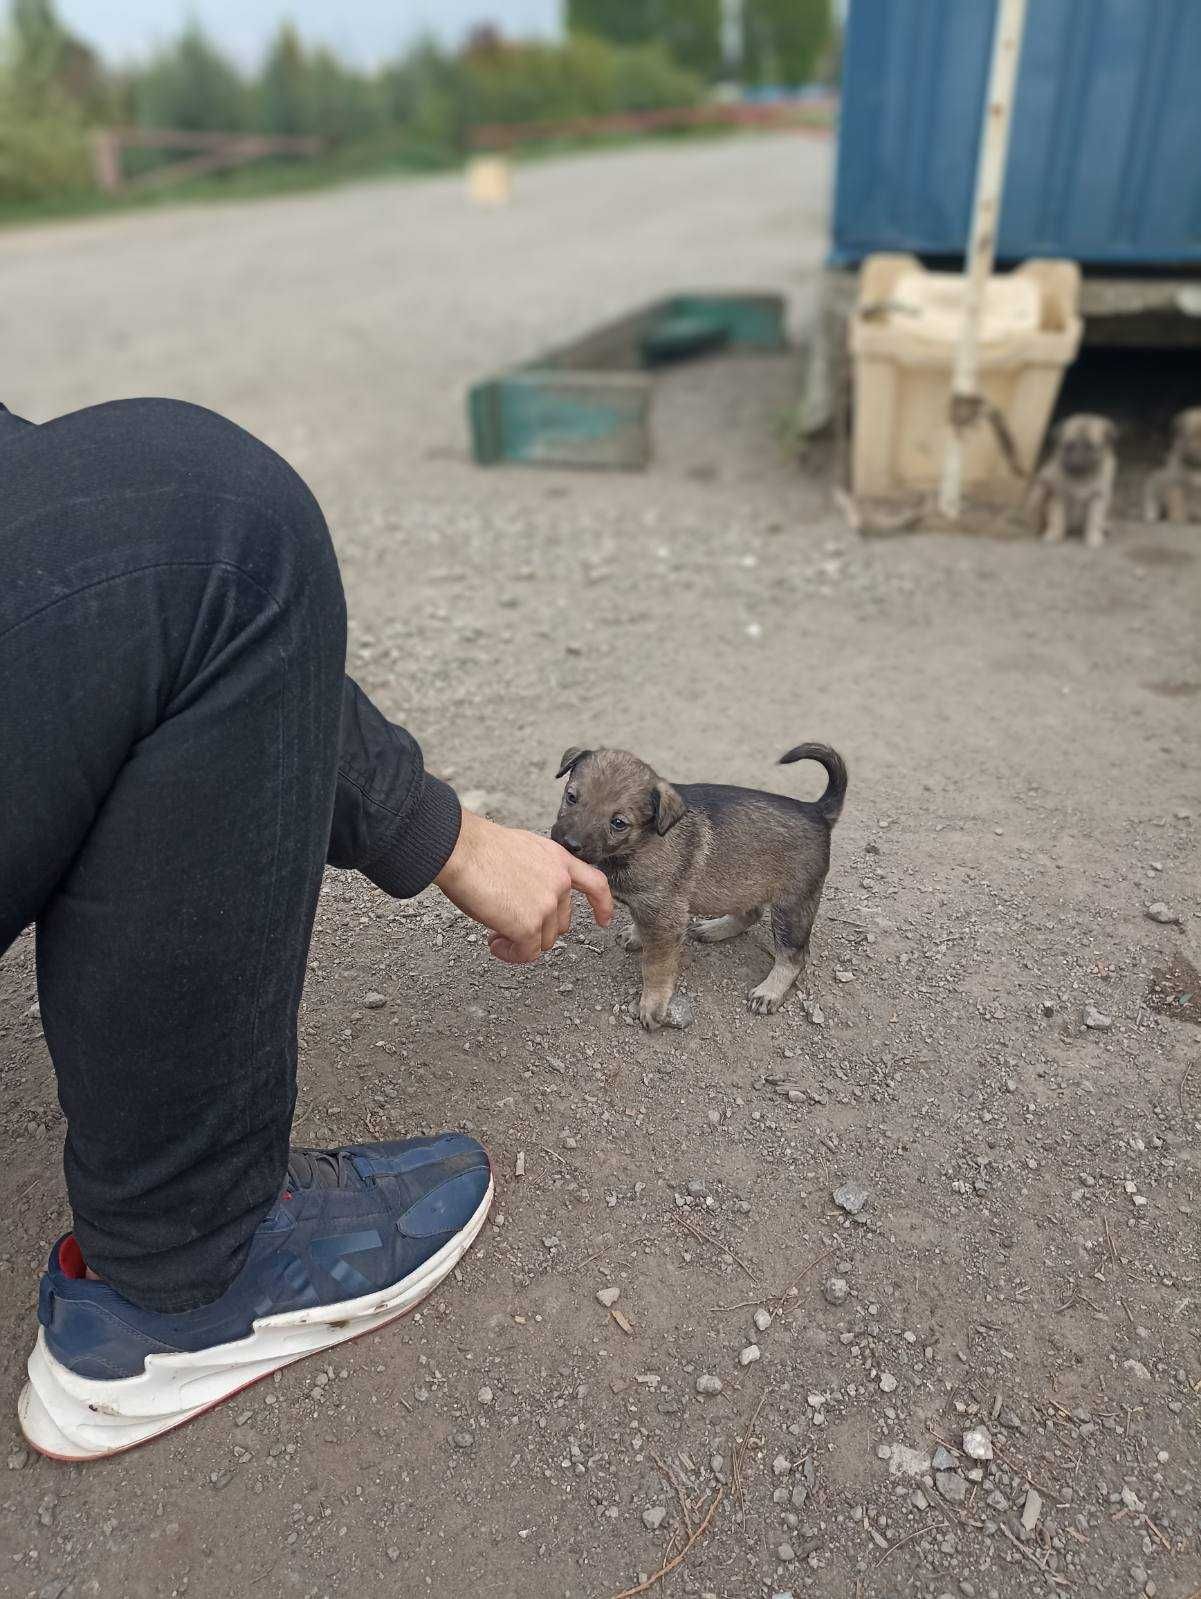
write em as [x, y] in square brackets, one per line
[180, 754]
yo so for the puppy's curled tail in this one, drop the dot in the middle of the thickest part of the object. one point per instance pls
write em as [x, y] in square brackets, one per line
[829, 806]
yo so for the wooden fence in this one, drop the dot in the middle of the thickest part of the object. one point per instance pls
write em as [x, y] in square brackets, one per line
[212, 152]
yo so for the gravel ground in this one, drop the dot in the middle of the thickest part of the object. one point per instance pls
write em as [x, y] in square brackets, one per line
[990, 1057]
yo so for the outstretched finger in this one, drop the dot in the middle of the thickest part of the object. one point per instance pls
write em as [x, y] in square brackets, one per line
[565, 913]
[593, 885]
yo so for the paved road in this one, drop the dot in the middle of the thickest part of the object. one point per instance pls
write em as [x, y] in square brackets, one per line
[351, 322]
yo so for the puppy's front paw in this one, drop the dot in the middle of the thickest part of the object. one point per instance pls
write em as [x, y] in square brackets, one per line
[652, 1013]
[630, 939]
[764, 1000]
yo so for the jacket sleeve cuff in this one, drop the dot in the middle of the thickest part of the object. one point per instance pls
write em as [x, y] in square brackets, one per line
[405, 864]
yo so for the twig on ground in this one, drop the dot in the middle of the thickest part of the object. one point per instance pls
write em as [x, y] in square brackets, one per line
[908, 1538]
[1028, 1554]
[1016, 1465]
[1155, 1532]
[710, 1238]
[670, 1478]
[1112, 1246]
[657, 1576]
[743, 1445]
[797, 1281]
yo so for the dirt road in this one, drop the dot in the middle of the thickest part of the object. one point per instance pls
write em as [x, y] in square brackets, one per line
[981, 1050]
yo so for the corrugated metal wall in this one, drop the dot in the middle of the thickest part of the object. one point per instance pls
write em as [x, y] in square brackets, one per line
[1105, 151]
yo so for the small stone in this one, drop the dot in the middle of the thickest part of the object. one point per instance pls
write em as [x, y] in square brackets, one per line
[903, 1461]
[1159, 912]
[749, 1355]
[835, 1290]
[786, 1553]
[952, 1486]
[652, 1519]
[608, 1297]
[484, 1396]
[696, 1188]
[681, 1012]
[780, 1466]
[18, 1459]
[393, 1553]
[374, 1001]
[1137, 1369]
[462, 1439]
[708, 1385]
[978, 1443]
[851, 1198]
[888, 1383]
[762, 1319]
[1032, 1509]
[943, 1460]
[1131, 1500]
[1096, 1019]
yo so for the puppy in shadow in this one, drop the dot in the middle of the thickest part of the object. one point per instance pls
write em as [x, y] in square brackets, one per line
[674, 851]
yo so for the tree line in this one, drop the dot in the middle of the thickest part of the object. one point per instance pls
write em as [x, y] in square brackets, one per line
[618, 55]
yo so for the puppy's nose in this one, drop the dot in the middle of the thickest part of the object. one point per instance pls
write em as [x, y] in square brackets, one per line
[571, 843]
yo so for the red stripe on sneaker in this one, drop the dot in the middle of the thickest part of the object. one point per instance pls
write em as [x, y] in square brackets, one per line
[70, 1259]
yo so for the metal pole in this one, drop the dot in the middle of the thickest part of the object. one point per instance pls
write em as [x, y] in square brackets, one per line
[982, 243]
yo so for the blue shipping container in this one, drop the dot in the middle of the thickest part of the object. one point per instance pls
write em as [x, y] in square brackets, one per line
[1105, 147]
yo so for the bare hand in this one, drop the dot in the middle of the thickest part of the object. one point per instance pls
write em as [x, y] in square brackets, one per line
[518, 885]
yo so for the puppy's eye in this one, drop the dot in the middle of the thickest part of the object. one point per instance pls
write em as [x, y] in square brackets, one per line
[571, 796]
[618, 824]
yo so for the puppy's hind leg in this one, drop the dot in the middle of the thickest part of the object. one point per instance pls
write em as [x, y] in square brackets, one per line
[791, 924]
[718, 928]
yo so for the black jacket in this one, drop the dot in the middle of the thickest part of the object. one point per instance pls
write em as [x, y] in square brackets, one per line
[392, 821]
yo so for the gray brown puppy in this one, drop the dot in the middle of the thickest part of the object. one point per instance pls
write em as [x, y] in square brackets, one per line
[1073, 491]
[1174, 492]
[671, 851]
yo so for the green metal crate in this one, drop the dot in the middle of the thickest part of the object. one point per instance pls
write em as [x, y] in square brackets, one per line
[588, 403]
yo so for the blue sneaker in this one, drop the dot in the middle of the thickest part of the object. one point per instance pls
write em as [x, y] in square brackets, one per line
[359, 1236]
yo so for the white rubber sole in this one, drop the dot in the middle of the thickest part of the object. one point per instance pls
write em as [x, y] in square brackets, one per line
[80, 1418]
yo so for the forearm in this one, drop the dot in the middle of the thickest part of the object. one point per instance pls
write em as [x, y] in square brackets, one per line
[392, 821]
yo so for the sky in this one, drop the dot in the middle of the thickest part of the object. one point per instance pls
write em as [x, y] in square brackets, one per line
[364, 31]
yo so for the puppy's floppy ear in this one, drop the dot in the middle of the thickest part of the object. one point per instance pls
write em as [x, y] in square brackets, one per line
[666, 807]
[570, 759]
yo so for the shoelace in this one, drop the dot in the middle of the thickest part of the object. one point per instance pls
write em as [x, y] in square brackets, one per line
[321, 1168]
